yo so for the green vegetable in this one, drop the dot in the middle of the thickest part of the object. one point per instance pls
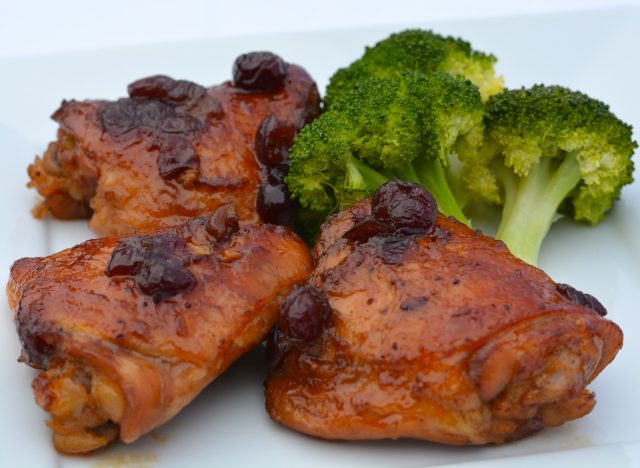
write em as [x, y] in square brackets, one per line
[421, 51]
[404, 127]
[547, 150]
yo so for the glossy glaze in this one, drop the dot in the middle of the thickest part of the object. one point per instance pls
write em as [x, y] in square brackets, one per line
[443, 336]
[89, 328]
[171, 151]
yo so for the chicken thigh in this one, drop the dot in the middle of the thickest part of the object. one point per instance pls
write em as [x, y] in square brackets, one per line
[174, 150]
[413, 325]
[127, 331]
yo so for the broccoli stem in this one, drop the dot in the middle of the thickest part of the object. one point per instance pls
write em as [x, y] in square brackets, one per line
[432, 176]
[455, 178]
[408, 173]
[360, 176]
[531, 203]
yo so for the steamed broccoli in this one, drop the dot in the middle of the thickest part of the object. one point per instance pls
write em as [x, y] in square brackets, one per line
[421, 51]
[547, 150]
[403, 127]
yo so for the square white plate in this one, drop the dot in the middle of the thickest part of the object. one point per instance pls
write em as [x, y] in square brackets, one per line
[595, 52]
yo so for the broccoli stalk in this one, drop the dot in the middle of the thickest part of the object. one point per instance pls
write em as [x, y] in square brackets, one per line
[433, 177]
[549, 150]
[403, 128]
[532, 202]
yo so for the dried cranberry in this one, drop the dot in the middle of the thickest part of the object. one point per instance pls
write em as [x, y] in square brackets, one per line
[181, 123]
[259, 71]
[223, 223]
[126, 258]
[161, 104]
[176, 154]
[158, 264]
[405, 205]
[312, 108]
[273, 139]
[274, 204]
[118, 117]
[186, 92]
[207, 107]
[164, 278]
[154, 87]
[303, 313]
[152, 114]
[583, 299]
[131, 252]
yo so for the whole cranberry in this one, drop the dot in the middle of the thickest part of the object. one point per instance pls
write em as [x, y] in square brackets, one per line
[274, 204]
[408, 207]
[259, 71]
[273, 139]
[303, 313]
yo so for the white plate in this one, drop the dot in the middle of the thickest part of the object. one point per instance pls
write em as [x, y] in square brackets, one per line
[595, 52]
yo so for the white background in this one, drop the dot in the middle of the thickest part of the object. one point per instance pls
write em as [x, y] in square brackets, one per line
[48, 26]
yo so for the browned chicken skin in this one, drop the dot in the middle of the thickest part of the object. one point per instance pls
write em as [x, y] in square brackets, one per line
[440, 335]
[173, 150]
[127, 331]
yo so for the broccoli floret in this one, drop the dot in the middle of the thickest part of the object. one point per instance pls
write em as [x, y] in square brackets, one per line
[547, 150]
[402, 128]
[421, 51]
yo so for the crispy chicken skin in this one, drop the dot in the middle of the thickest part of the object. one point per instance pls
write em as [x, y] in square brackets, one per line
[443, 336]
[171, 151]
[127, 331]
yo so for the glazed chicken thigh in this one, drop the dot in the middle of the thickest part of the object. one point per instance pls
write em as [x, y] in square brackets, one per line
[413, 325]
[174, 150]
[127, 331]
